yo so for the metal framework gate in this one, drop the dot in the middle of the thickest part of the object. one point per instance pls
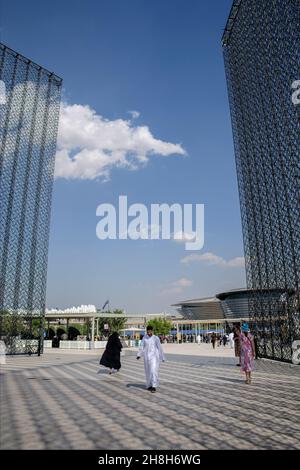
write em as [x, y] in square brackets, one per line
[261, 46]
[29, 110]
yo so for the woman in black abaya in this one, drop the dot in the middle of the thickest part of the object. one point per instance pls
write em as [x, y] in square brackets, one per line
[111, 356]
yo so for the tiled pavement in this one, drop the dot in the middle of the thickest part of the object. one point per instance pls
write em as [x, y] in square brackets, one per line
[62, 401]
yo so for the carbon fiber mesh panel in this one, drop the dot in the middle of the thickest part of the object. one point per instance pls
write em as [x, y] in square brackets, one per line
[261, 47]
[28, 130]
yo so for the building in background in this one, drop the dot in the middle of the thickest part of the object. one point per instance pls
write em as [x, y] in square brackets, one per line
[261, 46]
[208, 308]
[227, 307]
[217, 314]
[29, 114]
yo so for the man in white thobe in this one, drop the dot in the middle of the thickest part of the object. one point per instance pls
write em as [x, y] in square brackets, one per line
[231, 340]
[152, 352]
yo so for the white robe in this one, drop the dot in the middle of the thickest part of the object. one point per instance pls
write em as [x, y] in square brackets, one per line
[152, 352]
[231, 340]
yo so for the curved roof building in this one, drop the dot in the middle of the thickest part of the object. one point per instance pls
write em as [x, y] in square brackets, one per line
[231, 305]
[235, 303]
[201, 309]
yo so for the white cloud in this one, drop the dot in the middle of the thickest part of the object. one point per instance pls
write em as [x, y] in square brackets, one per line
[183, 282]
[89, 145]
[171, 291]
[238, 262]
[212, 259]
[134, 114]
[183, 237]
[178, 286]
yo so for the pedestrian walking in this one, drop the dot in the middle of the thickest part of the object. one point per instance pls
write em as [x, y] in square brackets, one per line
[213, 340]
[247, 352]
[152, 352]
[237, 332]
[231, 340]
[111, 357]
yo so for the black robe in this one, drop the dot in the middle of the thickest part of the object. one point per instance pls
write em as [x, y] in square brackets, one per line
[111, 356]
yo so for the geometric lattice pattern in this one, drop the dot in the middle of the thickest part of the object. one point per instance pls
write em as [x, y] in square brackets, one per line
[28, 130]
[261, 47]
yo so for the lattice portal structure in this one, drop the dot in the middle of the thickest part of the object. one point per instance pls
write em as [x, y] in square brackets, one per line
[29, 113]
[261, 45]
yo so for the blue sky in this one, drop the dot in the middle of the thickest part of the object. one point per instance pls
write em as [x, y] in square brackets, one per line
[164, 60]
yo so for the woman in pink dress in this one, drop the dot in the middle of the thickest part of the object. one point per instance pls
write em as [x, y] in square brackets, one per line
[247, 352]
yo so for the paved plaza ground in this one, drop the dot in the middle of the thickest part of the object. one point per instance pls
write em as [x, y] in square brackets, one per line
[63, 400]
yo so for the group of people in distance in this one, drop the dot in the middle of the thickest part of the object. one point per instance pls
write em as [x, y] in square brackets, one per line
[151, 350]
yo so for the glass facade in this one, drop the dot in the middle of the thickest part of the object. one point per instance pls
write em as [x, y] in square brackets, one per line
[201, 309]
[261, 46]
[231, 305]
[29, 113]
[235, 304]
